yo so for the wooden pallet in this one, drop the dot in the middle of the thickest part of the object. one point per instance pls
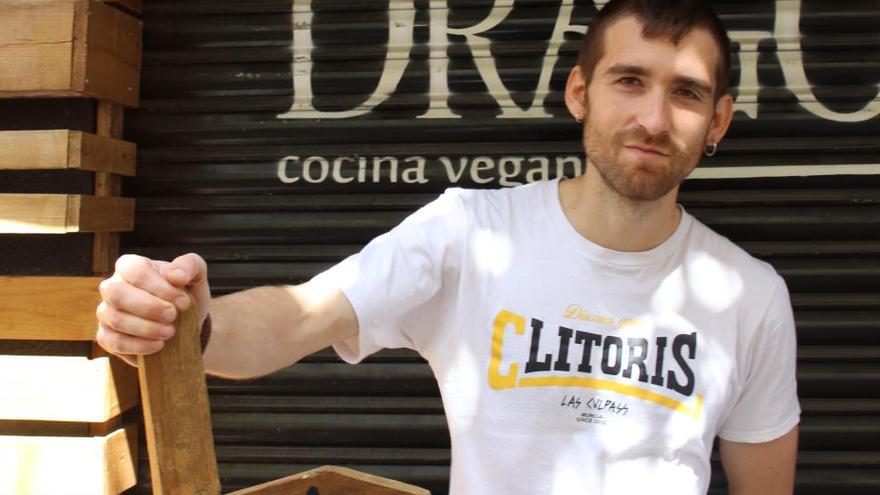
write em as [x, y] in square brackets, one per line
[62, 400]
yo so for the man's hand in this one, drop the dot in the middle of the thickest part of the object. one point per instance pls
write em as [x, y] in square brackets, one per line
[141, 300]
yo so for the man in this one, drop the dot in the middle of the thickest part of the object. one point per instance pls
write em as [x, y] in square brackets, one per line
[588, 335]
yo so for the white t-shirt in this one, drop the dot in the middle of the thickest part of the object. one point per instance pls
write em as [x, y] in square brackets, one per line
[568, 368]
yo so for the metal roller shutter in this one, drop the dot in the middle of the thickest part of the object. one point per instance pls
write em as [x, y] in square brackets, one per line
[277, 138]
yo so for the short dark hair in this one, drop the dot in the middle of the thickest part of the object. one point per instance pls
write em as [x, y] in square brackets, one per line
[672, 19]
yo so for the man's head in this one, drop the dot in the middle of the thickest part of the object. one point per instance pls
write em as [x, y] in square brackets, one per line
[669, 19]
[652, 93]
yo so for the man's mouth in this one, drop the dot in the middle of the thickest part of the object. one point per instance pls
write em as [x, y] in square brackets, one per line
[646, 150]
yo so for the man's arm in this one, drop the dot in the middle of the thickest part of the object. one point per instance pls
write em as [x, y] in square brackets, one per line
[261, 330]
[254, 332]
[760, 468]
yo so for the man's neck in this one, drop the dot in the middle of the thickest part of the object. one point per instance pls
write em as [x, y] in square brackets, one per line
[610, 220]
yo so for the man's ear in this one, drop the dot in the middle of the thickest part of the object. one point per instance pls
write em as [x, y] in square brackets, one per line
[575, 94]
[720, 120]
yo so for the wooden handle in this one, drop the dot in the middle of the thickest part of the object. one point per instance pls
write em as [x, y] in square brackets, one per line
[177, 416]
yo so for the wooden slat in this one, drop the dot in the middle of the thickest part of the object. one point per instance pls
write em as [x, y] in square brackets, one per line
[63, 149]
[103, 154]
[65, 388]
[19, 427]
[96, 52]
[177, 417]
[333, 479]
[33, 70]
[107, 77]
[63, 213]
[34, 150]
[115, 32]
[48, 308]
[105, 246]
[38, 465]
[136, 6]
[36, 21]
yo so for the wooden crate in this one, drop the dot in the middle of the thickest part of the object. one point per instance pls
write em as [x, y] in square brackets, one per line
[48, 308]
[61, 48]
[65, 388]
[64, 213]
[64, 149]
[52, 465]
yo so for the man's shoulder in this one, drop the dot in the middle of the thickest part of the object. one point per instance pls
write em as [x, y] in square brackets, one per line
[706, 242]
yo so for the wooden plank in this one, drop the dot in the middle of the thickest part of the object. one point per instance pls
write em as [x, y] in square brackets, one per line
[135, 6]
[65, 388]
[102, 154]
[64, 213]
[34, 150]
[48, 308]
[36, 21]
[36, 69]
[120, 466]
[333, 480]
[97, 54]
[115, 32]
[106, 76]
[37, 465]
[109, 119]
[63, 149]
[59, 428]
[43, 347]
[104, 214]
[33, 213]
[105, 246]
[177, 417]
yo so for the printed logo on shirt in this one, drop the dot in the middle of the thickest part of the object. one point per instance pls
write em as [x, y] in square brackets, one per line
[658, 371]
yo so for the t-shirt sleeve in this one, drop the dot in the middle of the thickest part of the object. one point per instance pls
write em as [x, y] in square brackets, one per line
[768, 405]
[398, 274]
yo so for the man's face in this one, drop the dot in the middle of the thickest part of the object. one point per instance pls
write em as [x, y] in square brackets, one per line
[649, 109]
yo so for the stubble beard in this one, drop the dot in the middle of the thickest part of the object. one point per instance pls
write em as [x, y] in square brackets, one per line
[637, 182]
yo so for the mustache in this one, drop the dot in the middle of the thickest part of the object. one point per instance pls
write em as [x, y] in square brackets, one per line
[637, 135]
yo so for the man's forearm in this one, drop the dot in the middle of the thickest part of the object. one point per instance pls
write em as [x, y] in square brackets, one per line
[261, 330]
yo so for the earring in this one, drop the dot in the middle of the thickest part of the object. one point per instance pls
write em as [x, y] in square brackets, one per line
[579, 118]
[711, 149]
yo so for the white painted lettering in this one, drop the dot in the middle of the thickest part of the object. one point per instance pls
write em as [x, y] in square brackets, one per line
[541, 172]
[337, 169]
[307, 169]
[401, 20]
[454, 175]
[416, 174]
[505, 174]
[377, 168]
[282, 169]
[576, 166]
[788, 49]
[478, 165]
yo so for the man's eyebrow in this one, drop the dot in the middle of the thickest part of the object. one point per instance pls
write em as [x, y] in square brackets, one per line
[691, 82]
[624, 69]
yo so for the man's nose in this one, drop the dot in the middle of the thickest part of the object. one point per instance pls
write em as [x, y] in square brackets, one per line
[654, 114]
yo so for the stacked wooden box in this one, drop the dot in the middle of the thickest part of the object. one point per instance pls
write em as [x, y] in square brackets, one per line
[62, 400]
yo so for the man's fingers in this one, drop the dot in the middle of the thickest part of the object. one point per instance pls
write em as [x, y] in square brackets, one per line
[120, 343]
[145, 274]
[130, 299]
[189, 269]
[130, 324]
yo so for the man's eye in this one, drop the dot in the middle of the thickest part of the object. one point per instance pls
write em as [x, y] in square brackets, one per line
[629, 81]
[689, 94]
